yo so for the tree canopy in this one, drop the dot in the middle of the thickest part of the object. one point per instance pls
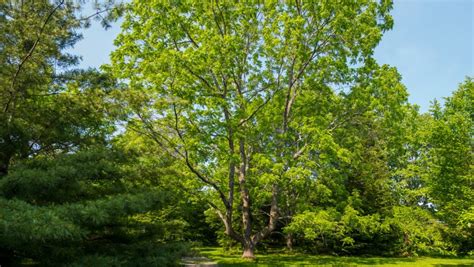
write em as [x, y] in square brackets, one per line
[249, 125]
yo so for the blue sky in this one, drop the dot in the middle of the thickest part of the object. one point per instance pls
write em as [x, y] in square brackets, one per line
[431, 44]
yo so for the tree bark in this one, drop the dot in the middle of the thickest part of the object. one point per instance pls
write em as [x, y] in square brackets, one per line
[246, 211]
[267, 230]
[290, 207]
[289, 241]
[249, 251]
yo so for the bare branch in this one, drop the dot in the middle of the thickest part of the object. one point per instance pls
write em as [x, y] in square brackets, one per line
[97, 13]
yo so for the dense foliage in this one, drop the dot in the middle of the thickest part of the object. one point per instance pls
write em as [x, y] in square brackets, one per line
[68, 193]
[249, 126]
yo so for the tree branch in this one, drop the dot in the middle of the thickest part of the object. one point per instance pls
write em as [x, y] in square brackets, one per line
[272, 220]
[191, 167]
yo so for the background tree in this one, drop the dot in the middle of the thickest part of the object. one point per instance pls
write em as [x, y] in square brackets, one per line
[450, 168]
[68, 194]
[45, 105]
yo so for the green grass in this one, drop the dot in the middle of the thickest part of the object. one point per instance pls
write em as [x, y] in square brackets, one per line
[297, 259]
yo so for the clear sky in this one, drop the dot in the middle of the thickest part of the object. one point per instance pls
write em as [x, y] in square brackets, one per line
[431, 44]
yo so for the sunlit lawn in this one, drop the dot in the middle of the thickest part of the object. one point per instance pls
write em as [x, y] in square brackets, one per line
[297, 259]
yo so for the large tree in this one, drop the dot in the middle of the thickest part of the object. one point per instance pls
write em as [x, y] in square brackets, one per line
[216, 85]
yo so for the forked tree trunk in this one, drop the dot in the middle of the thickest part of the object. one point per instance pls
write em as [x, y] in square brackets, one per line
[247, 240]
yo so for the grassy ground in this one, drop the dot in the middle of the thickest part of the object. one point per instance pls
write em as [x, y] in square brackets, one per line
[281, 259]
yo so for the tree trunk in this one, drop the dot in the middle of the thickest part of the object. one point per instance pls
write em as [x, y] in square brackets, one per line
[246, 214]
[249, 251]
[290, 206]
[246, 211]
[289, 241]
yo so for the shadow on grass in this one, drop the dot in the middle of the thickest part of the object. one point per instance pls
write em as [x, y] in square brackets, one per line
[301, 260]
[281, 259]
